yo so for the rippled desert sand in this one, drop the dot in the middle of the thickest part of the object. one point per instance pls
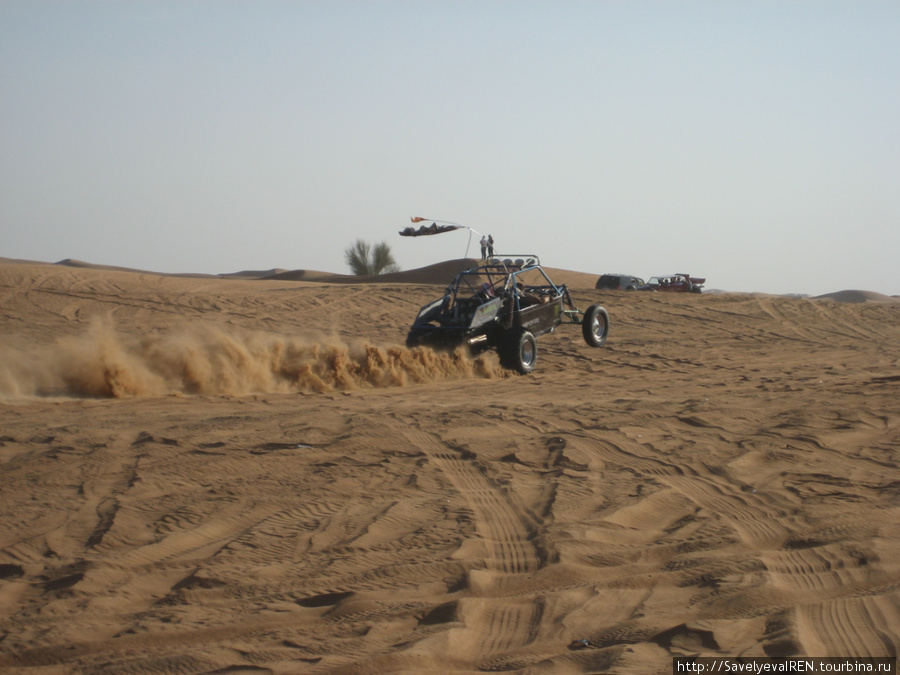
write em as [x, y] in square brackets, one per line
[244, 475]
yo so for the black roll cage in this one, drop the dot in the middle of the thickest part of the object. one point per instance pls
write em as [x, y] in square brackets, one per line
[519, 277]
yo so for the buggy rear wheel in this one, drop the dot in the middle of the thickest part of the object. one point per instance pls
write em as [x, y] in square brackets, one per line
[518, 351]
[595, 326]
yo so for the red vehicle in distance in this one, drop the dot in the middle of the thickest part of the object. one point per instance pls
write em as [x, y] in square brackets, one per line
[674, 283]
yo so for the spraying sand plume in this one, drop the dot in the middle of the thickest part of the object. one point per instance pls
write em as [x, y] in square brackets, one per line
[211, 360]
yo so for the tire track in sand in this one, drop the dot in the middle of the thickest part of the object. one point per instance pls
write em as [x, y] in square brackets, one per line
[826, 587]
[498, 625]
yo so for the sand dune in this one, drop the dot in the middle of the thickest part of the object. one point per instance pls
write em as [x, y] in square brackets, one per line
[206, 474]
[858, 296]
[439, 273]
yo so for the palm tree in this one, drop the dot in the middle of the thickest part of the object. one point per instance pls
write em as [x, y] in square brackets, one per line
[365, 260]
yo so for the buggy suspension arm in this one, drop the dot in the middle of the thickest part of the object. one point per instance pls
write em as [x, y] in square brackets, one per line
[573, 313]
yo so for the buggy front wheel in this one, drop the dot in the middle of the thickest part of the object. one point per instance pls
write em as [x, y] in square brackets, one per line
[518, 351]
[595, 326]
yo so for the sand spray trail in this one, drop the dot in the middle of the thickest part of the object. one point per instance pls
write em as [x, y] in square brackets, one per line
[213, 360]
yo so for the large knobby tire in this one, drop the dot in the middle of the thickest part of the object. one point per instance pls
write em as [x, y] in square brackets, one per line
[595, 326]
[518, 351]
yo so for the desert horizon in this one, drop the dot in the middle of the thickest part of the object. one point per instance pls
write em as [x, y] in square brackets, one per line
[249, 472]
[436, 273]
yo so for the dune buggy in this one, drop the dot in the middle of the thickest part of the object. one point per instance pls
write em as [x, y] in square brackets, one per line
[504, 304]
[674, 283]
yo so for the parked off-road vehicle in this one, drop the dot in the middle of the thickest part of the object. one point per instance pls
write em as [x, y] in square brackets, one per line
[674, 283]
[504, 304]
[619, 282]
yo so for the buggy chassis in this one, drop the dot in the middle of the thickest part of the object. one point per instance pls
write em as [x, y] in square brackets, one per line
[504, 304]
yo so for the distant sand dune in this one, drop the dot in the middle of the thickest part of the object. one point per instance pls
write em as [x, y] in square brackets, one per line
[438, 273]
[858, 296]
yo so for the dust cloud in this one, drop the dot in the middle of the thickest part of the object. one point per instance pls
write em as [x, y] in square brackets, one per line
[213, 360]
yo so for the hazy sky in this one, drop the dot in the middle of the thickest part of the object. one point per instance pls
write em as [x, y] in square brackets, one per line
[754, 143]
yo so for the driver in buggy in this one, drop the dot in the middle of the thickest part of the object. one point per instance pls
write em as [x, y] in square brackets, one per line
[529, 299]
[486, 291]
